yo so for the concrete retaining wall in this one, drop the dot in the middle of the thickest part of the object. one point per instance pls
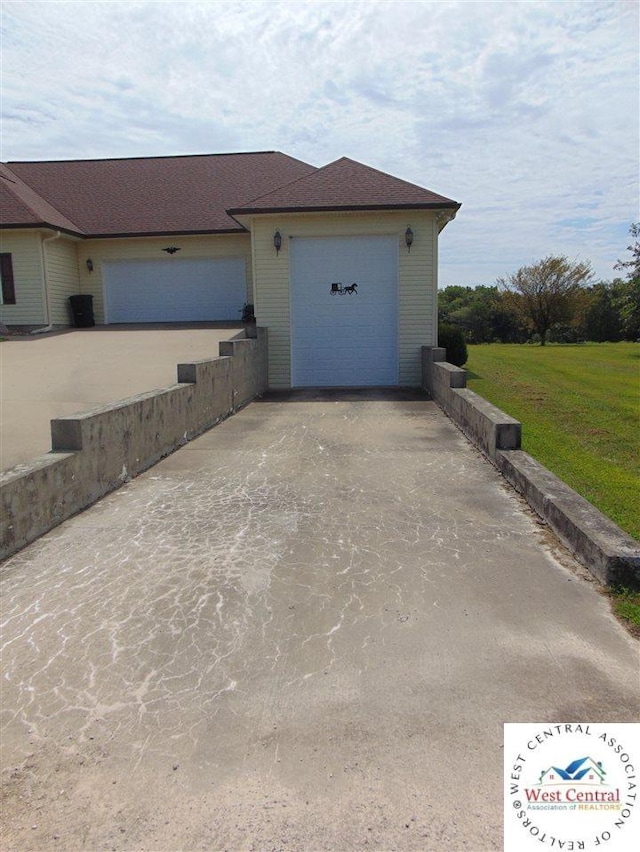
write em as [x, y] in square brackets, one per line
[97, 451]
[485, 425]
[608, 552]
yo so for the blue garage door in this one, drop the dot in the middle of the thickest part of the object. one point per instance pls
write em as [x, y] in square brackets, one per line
[174, 290]
[344, 339]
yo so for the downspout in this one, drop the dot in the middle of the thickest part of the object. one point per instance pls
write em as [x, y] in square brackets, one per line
[45, 277]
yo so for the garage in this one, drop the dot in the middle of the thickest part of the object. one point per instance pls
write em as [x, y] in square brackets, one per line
[344, 335]
[174, 290]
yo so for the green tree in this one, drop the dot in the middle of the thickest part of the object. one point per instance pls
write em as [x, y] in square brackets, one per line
[472, 311]
[508, 324]
[602, 321]
[482, 313]
[632, 266]
[451, 300]
[626, 294]
[546, 293]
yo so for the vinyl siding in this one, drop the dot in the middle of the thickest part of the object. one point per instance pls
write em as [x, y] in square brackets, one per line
[150, 248]
[63, 278]
[26, 257]
[417, 297]
[417, 280]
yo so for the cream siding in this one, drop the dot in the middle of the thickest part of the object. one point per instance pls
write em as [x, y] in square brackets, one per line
[150, 248]
[417, 296]
[417, 280]
[26, 256]
[62, 276]
[437, 227]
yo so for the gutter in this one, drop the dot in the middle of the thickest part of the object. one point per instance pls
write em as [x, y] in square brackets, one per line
[346, 208]
[45, 276]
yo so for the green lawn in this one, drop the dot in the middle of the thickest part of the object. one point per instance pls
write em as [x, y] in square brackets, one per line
[580, 411]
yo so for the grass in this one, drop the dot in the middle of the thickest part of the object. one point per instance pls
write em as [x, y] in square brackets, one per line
[626, 606]
[579, 406]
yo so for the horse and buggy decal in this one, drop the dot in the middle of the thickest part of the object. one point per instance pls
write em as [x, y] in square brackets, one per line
[338, 289]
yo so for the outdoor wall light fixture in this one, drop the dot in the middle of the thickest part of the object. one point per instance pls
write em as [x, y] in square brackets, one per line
[408, 238]
[89, 264]
[277, 241]
[171, 249]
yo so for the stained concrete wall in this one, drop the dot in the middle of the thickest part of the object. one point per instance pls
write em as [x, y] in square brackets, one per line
[485, 425]
[611, 555]
[607, 551]
[97, 451]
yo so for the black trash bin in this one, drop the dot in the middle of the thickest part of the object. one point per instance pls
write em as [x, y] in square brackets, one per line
[82, 308]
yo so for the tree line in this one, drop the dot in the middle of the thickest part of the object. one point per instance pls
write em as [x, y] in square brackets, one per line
[554, 300]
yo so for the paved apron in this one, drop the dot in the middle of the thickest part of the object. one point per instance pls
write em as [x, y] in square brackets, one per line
[48, 376]
[304, 630]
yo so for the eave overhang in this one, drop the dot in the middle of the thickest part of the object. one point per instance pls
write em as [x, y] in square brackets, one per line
[39, 226]
[121, 234]
[350, 208]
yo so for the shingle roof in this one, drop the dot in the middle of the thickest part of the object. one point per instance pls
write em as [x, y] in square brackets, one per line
[20, 205]
[192, 194]
[152, 195]
[346, 185]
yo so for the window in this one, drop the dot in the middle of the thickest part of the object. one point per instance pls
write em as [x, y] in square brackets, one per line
[6, 275]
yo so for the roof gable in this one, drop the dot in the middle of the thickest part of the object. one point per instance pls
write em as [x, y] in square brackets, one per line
[346, 185]
[20, 206]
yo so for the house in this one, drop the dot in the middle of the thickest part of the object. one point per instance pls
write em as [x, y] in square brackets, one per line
[192, 238]
[549, 776]
[585, 770]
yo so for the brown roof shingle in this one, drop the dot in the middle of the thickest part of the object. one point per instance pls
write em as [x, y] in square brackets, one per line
[192, 194]
[346, 185]
[156, 195]
[20, 206]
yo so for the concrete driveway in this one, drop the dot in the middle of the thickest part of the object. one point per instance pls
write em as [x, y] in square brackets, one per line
[304, 631]
[42, 377]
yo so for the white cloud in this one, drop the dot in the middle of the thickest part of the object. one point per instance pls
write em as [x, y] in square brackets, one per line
[525, 112]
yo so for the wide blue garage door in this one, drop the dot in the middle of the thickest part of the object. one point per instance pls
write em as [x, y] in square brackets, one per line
[174, 290]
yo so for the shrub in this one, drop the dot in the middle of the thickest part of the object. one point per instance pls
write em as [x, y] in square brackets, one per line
[247, 313]
[559, 333]
[452, 338]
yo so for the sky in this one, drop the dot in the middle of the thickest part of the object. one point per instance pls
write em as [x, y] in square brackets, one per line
[525, 112]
